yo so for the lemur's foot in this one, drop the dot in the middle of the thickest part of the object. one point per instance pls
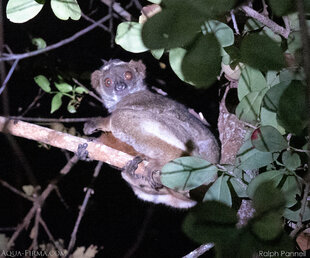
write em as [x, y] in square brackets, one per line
[131, 167]
[82, 152]
[154, 180]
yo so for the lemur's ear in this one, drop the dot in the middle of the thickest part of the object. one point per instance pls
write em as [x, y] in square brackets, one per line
[138, 66]
[95, 78]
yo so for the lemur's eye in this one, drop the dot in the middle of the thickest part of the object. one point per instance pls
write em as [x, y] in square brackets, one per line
[107, 82]
[128, 75]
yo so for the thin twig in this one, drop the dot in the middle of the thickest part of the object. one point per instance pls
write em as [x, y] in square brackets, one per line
[50, 120]
[118, 9]
[266, 21]
[21, 226]
[39, 201]
[50, 236]
[65, 170]
[111, 23]
[265, 10]
[35, 230]
[87, 18]
[7, 229]
[300, 150]
[200, 250]
[40, 94]
[304, 202]
[233, 17]
[8, 75]
[56, 45]
[91, 93]
[286, 21]
[62, 200]
[14, 190]
[137, 3]
[89, 192]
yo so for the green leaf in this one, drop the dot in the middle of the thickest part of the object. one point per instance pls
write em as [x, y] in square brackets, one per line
[56, 102]
[291, 160]
[267, 138]
[294, 215]
[288, 75]
[186, 173]
[239, 188]
[176, 56]
[294, 42]
[292, 113]
[249, 107]
[203, 223]
[222, 32]
[128, 36]
[287, 184]
[249, 158]
[291, 189]
[283, 243]
[250, 80]
[270, 118]
[39, 43]
[212, 8]
[155, 1]
[219, 191]
[19, 11]
[270, 34]
[283, 7]
[268, 227]
[202, 63]
[272, 78]
[71, 107]
[65, 9]
[170, 28]
[252, 25]
[274, 176]
[273, 95]
[81, 90]
[158, 53]
[3, 242]
[262, 201]
[63, 87]
[43, 83]
[28, 189]
[261, 52]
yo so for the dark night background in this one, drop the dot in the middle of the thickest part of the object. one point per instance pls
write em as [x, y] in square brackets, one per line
[114, 216]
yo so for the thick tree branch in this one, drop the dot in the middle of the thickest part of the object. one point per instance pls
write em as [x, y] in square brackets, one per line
[96, 150]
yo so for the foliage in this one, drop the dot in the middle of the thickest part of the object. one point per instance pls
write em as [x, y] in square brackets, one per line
[63, 89]
[272, 98]
[203, 224]
[200, 41]
[20, 11]
[187, 173]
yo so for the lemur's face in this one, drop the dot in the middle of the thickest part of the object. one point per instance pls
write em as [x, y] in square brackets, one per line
[117, 79]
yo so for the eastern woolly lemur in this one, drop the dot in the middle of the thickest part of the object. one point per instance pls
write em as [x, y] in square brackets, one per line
[157, 127]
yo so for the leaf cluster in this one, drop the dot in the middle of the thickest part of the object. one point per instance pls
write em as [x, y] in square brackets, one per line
[62, 89]
[20, 11]
[216, 222]
[272, 97]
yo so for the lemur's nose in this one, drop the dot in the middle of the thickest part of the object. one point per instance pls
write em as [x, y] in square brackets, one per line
[120, 86]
